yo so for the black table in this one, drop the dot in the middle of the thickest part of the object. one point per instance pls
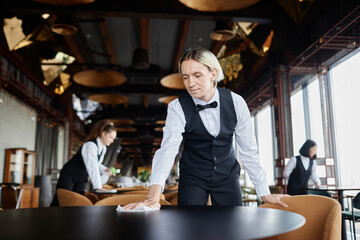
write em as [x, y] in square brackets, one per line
[170, 223]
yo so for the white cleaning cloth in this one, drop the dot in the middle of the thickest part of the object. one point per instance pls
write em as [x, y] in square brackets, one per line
[139, 209]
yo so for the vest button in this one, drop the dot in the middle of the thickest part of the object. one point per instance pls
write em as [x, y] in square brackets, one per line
[215, 168]
[214, 158]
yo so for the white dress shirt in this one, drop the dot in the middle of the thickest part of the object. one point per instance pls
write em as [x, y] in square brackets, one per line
[89, 153]
[306, 162]
[175, 125]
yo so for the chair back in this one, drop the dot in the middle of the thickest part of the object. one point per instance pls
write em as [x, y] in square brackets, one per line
[174, 200]
[356, 201]
[69, 198]
[141, 192]
[10, 195]
[322, 214]
[124, 199]
[92, 197]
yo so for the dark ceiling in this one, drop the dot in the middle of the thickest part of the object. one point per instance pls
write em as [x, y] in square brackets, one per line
[110, 31]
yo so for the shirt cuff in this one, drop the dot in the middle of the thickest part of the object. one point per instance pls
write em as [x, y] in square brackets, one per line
[262, 191]
[159, 179]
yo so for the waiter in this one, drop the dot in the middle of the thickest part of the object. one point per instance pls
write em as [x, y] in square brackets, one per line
[206, 119]
[301, 168]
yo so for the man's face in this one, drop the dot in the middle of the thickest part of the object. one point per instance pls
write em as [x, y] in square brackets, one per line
[198, 80]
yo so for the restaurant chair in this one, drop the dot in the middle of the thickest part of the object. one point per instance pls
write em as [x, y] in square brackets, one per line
[10, 195]
[322, 214]
[170, 196]
[141, 192]
[92, 197]
[351, 214]
[69, 198]
[123, 199]
[174, 200]
[171, 188]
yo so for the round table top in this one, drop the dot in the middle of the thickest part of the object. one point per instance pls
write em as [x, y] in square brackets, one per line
[171, 222]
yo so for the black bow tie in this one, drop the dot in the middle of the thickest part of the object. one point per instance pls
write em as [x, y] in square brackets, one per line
[202, 107]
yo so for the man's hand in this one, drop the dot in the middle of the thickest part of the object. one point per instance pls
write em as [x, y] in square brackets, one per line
[275, 198]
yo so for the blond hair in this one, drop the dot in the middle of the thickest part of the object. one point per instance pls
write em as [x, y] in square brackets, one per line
[207, 58]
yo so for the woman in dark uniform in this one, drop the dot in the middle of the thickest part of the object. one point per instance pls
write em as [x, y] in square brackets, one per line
[206, 119]
[300, 168]
[87, 161]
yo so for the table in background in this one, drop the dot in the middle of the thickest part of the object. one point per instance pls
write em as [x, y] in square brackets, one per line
[170, 223]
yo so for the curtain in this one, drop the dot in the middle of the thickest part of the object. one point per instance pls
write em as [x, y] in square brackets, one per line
[46, 146]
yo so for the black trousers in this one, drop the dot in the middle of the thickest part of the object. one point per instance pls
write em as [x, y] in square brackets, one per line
[224, 190]
[65, 181]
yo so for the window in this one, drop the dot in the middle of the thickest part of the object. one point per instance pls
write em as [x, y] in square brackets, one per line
[298, 120]
[345, 87]
[316, 126]
[265, 143]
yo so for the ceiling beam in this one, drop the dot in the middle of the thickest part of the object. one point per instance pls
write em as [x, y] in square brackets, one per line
[181, 36]
[105, 33]
[144, 33]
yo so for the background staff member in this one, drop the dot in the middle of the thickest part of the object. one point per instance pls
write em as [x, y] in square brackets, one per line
[87, 161]
[300, 168]
[206, 119]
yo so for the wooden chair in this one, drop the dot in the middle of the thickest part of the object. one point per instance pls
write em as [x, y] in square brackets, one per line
[10, 195]
[170, 196]
[141, 192]
[322, 214]
[69, 198]
[92, 197]
[124, 199]
[174, 200]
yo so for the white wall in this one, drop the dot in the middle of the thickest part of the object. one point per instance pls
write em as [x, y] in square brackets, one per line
[17, 126]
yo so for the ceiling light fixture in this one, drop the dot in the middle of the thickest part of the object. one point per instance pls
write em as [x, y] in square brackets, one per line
[222, 32]
[218, 5]
[64, 29]
[173, 81]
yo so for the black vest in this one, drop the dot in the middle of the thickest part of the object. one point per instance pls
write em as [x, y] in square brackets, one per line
[204, 154]
[299, 178]
[75, 167]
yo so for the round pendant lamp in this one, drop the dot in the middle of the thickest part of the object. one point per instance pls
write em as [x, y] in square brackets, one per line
[126, 129]
[64, 2]
[218, 5]
[173, 81]
[64, 29]
[167, 99]
[109, 98]
[99, 78]
[122, 121]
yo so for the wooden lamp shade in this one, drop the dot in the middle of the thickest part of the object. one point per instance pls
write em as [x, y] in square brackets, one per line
[126, 129]
[122, 121]
[99, 79]
[218, 5]
[167, 99]
[109, 98]
[64, 29]
[64, 2]
[173, 81]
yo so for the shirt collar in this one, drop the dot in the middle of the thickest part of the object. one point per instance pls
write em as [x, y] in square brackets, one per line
[100, 145]
[214, 98]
